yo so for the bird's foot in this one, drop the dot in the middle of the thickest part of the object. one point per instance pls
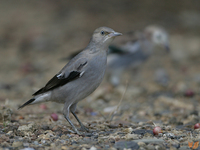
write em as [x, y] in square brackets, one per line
[83, 128]
[77, 132]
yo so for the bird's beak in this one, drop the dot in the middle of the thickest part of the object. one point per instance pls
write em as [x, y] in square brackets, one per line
[113, 34]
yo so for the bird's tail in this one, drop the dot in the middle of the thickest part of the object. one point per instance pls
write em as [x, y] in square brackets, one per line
[27, 103]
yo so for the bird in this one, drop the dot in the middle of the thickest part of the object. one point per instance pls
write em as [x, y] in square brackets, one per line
[132, 49]
[79, 77]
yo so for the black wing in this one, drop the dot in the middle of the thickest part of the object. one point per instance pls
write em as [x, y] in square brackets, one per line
[58, 81]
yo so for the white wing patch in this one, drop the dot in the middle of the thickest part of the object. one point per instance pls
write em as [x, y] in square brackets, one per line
[81, 74]
[60, 75]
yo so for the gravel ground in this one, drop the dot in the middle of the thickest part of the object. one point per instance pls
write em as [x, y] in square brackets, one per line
[35, 37]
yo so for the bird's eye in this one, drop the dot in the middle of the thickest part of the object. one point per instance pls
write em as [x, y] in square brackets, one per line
[102, 32]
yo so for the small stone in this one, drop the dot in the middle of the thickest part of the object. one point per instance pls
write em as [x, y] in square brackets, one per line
[150, 147]
[131, 136]
[45, 127]
[107, 146]
[170, 135]
[127, 144]
[142, 144]
[142, 131]
[150, 140]
[21, 117]
[54, 116]
[5, 114]
[64, 148]
[28, 148]
[9, 133]
[35, 143]
[128, 130]
[173, 148]
[93, 148]
[25, 144]
[197, 126]
[17, 144]
[157, 130]
[29, 127]
[184, 148]
[5, 144]
[52, 144]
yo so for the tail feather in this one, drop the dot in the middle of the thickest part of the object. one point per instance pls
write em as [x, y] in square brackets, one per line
[27, 103]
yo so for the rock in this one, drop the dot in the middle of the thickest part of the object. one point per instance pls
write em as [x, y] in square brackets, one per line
[17, 144]
[131, 136]
[150, 141]
[126, 144]
[150, 147]
[142, 131]
[184, 148]
[64, 148]
[93, 148]
[30, 127]
[128, 130]
[4, 144]
[5, 114]
[170, 135]
[28, 148]
[9, 133]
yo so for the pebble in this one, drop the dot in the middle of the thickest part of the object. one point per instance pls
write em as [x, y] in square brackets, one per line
[26, 144]
[170, 135]
[93, 148]
[5, 114]
[131, 136]
[29, 127]
[64, 148]
[28, 148]
[54, 116]
[142, 131]
[35, 143]
[128, 130]
[142, 144]
[17, 144]
[9, 133]
[150, 140]
[126, 144]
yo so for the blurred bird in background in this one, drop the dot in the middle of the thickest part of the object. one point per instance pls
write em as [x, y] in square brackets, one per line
[131, 50]
[134, 48]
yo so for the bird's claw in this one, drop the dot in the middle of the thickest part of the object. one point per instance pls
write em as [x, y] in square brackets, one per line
[83, 128]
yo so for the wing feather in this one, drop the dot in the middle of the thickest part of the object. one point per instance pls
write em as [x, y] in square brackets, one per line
[70, 72]
[56, 82]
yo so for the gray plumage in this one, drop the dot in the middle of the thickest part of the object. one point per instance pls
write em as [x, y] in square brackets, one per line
[133, 49]
[80, 77]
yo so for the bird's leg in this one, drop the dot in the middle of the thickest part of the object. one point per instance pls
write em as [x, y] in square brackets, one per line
[74, 128]
[82, 126]
[66, 115]
[72, 109]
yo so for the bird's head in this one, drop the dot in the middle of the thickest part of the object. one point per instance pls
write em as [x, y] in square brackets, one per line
[158, 36]
[103, 36]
